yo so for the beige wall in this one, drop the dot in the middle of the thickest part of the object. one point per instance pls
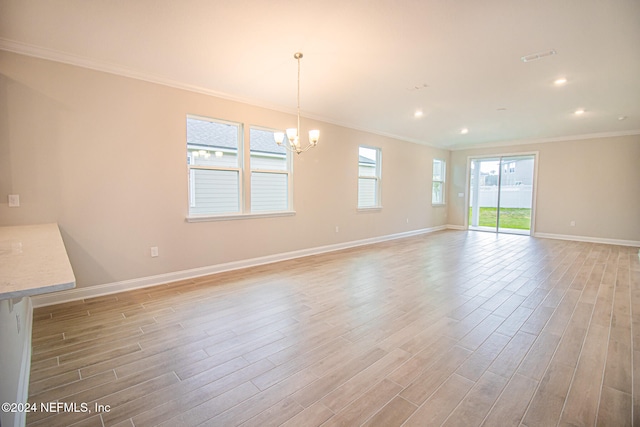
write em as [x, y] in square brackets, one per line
[594, 182]
[105, 157]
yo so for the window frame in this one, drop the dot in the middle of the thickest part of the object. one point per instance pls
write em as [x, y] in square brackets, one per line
[442, 182]
[244, 171]
[377, 178]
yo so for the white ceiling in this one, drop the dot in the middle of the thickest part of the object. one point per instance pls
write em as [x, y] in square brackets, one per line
[364, 59]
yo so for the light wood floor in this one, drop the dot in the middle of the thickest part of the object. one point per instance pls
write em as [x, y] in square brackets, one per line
[452, 328]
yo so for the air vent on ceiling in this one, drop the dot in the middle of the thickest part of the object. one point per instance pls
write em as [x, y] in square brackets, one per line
[418, 87]
[539, 55]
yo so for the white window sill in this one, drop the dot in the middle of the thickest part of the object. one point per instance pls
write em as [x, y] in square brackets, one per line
[371, 209]
[205, 218]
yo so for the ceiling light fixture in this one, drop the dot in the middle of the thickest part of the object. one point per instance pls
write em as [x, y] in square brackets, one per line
[539, 55]
[464, 131]
[418, 113]
[293, 134]
[559, 82]
[579, 112]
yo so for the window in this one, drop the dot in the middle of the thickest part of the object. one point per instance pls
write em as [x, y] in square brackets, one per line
[214, 166]
[439, 173]
[217, 175]
[270, 172]
[369, 177]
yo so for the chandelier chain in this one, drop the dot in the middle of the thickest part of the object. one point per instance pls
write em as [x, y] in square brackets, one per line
[298, 56]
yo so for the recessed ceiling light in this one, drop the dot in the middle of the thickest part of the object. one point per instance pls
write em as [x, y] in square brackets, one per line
[579, 112]
[464, 131]
[559, 82]
[418, 113]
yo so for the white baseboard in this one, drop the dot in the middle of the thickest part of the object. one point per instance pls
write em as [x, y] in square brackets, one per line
[619, 242]
[456, 227]
[143, 282]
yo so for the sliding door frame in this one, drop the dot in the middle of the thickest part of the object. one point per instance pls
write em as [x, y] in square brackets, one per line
[499, 156]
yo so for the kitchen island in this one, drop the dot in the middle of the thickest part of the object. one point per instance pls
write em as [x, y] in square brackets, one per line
[33, 261]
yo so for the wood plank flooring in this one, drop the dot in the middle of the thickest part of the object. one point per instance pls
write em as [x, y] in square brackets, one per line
[452, 328]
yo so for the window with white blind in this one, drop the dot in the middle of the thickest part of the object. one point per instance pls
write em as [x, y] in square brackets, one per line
[214, 159]
[369, 177]
[220, 184]
[270, 172]
[439, 174]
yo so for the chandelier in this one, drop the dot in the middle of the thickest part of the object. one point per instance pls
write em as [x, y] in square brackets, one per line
[293, 134]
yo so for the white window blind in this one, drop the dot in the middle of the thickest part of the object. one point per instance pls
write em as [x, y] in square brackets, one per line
[439, 174]
[368, 177]
[213, 154]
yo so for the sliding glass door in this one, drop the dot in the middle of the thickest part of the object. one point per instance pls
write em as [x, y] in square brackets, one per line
[501, 194]
[483, 203]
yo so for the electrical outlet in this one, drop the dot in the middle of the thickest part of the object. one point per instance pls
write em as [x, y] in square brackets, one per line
[154, 251]
[14, 200]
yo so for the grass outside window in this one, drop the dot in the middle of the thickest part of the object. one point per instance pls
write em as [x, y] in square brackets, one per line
[514, 218]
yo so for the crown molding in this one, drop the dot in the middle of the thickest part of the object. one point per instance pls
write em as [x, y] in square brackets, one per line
[547, 140]
[119, 70]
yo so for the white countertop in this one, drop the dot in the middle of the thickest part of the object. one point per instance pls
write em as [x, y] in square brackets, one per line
[33, 260]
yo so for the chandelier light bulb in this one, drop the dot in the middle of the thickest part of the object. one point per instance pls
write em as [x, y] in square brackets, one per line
[314, 136]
